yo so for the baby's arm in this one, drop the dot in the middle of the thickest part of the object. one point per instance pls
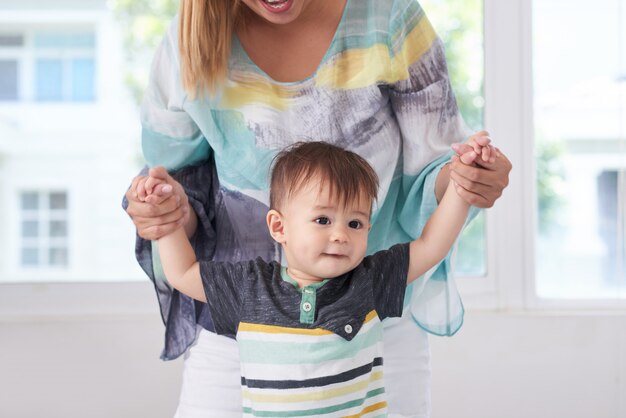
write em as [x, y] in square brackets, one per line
[178, 258]
[446, 222]
[180, 265]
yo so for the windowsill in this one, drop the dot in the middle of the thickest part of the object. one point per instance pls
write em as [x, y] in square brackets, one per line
[549, 313]
[40, 301]
[86, 301]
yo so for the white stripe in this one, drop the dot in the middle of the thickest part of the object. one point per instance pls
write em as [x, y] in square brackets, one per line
[299, 338]
[310, 371]
[316, 404]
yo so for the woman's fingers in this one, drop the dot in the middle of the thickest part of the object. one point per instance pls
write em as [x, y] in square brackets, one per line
[474, 199]
[487, 180]
[155, 221]
[160, 193]
[157, 204]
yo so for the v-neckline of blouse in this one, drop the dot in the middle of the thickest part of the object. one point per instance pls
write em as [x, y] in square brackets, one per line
[249, 63]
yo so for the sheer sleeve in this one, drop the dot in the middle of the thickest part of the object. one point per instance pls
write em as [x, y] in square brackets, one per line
[179, 312]
[170, 137]
[429, 120]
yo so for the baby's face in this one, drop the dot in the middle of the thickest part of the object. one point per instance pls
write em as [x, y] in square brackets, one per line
[323, 238]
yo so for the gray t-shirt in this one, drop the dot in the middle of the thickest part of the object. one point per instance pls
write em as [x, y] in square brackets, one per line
[254, 292]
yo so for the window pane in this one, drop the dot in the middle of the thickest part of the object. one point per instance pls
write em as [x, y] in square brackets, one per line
[83, 80]
[30, 201]
[58, 257]
[11, 40]
[50, 40]
[81, 40]
[30, 229]
[459, 23]
[58, 200]
[61, 40]
[58, 229]
[49, 79]
[580, 146]
[30, 257]
[8, 80]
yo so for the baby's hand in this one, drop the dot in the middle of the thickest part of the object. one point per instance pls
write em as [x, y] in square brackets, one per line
[477, 146]
[144, 186]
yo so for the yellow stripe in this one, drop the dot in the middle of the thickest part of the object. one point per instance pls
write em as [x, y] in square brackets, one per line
[313, 396]
[371, 408]
[252, 89]
[354, 68]
[274, 329]
[358, 68]
[370, 316]
[271, 329]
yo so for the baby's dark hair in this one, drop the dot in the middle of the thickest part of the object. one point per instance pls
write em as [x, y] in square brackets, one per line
[348, 175]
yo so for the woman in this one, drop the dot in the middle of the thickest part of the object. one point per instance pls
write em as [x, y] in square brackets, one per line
[234, 82]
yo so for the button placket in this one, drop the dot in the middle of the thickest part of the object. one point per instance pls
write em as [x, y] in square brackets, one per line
[307, 306]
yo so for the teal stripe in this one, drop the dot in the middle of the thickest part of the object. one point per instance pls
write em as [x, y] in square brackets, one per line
[359, 29]
[317, 411]
[268, 352]
[239, 161]
[173, 153]
[403, 22]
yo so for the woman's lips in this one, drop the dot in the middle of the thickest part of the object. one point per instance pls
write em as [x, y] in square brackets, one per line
[277, 6]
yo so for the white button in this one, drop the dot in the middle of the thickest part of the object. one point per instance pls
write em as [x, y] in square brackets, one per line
[348, 329]
[306, 306]
[307, 290]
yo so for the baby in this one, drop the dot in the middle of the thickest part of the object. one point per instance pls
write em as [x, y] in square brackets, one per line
[310, 332]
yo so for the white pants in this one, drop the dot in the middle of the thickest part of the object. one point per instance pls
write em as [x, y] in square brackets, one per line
[212, 378]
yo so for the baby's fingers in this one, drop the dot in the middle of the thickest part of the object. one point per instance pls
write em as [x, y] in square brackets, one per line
[140, 189]
[151, 183]
[488, 154]
[478, 140]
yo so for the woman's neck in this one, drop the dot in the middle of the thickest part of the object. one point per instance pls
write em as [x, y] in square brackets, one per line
[292, 52]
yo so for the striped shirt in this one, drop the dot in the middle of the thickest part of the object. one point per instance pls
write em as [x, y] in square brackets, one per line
[311, 351]
[381, 91]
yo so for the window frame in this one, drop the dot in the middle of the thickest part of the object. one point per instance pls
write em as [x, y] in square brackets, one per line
[27, 55]
[510, 280]
[44, 241]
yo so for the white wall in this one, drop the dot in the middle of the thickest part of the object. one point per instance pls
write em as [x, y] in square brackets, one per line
[87, 367]
[500, 365]
[514, 365]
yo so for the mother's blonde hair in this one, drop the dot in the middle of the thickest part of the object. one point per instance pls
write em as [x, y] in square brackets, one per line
[205, 34]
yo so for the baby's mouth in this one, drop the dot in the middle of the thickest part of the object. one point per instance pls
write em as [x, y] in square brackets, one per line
[334, 255]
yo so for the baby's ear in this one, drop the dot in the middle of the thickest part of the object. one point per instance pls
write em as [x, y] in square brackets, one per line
[276, 226]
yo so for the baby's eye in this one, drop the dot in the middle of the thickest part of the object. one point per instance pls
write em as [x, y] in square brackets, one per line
[355, 224]
[322, 220]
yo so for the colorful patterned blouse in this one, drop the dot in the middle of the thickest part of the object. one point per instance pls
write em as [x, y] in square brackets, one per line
[381, 90]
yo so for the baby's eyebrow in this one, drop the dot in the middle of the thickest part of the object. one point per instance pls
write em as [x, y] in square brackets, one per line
[363, 214]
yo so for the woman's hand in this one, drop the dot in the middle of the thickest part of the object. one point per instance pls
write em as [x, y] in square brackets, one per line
[162, 208]
[482, 182]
